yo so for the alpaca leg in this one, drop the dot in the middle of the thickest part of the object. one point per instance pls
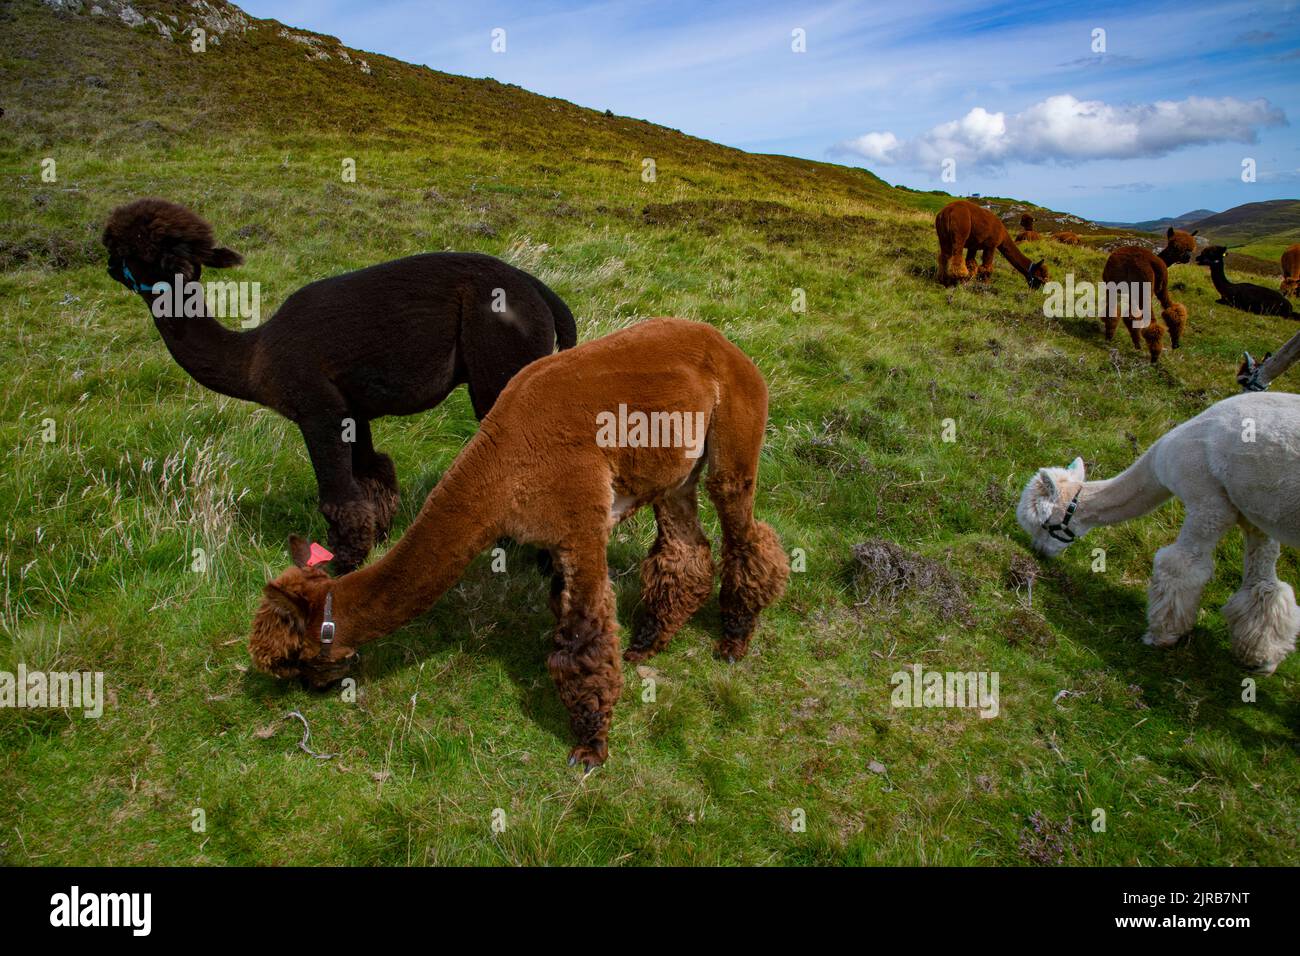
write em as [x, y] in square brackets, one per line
[1263, 616]
[351, 515]
[1154, 337]
[375, 473]
[1111, 321]
[985, 273]
[676, 576]
[754, 566]
[1182, 570]
[957, 267]
[1175, 316]
[585, 664]
[1130, 323]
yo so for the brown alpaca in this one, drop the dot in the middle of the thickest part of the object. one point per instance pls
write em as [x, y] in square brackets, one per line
[1291, 270]
[393, 339]
[1179, 248]
[1027, 233]
[1067, 238]
[1129, 264]
[547, 468]
[964, 227]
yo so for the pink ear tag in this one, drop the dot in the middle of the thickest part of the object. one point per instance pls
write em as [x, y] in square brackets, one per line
[318, 555]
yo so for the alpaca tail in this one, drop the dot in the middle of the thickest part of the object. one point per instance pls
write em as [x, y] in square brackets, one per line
[566, 329]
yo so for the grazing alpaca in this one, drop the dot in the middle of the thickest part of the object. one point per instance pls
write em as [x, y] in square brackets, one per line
[393, 339]
[1179, 247]
[1256, 376]
[1223, 479]
[1242, 295]
[1291, 270]
[1027, 233]
[1067, 238]
[1130, 264]
[963, 226]
[547, 467]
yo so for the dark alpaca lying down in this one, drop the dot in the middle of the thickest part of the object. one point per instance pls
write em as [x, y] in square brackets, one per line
[1242, 295]
[392, 339]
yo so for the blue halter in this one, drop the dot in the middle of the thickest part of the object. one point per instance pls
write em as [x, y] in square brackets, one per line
[136, 286]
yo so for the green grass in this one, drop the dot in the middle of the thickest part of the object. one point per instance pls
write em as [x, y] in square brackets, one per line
[456, 717]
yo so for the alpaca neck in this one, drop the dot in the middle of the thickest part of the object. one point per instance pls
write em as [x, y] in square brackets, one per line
[214, 356]
[1019, 261]
[460, 518]
[1220, 279]
[1132, 493]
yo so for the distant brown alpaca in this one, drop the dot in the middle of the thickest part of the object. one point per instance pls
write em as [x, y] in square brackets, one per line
[963, 226]
[1067, 238]
[1291, 270]
[1130, 264]
[539, 471]
[1179, 247]
[1027, 233]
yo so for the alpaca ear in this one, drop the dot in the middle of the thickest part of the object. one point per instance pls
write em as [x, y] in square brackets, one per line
[1076, 470]
[223, 258]
[1195, 231]
[289, 608]
[1047, 484]
[299, 551]
[1169, 233]
[178, 257]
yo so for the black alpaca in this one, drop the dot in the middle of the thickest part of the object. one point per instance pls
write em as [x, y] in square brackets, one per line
[392, 339]
[1242, 295]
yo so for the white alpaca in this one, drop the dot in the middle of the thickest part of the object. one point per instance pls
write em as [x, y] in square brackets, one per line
[1238, 462]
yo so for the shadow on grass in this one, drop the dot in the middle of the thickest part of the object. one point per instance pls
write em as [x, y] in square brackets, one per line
[511, 624]
[1199, 668]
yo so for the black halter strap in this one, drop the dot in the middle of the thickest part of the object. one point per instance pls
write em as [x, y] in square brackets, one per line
[1060, 530]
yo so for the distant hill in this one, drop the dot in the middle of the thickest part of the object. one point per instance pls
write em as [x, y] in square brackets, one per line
[1160, 225]
[1259, 229]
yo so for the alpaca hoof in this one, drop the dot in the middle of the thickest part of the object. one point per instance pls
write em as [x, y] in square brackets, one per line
[1160, 640]
[635, 655]
[731, 653]
[590, 756]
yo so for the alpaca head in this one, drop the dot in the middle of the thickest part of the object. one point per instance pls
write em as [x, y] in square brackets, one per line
[1044, 510]
[285, 640]
[1179, 246]
[1037, 274]
[1026, 222]
[152, 240]
[1212, 255]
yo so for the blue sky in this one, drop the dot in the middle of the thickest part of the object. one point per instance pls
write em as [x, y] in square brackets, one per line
[1014, 93]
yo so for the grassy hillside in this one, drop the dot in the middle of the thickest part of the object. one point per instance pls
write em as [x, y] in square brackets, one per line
[457, 718]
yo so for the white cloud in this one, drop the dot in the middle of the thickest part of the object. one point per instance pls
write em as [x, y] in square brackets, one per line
[1065, 129]
[874, 146]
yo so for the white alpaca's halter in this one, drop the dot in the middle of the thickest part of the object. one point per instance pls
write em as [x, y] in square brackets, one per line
[1252, 383]
[1060, 530]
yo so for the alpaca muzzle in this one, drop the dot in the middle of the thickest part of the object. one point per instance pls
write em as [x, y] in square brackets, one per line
[1060, 530]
